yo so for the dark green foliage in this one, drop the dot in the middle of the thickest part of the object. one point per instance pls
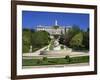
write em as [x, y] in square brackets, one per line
[86, 39]
[55, 61]
[26, 40]
[76, 41]
[71, 33]
[36, 39]
[39, 61]
[66, 38]
[45, 58]
[26, 36]
[32, 30]
[62, 39]
[40, 39]
[25, 48]
[67, 58]
[80, 59]
[62, 47]
[75, 38]
[56, 36]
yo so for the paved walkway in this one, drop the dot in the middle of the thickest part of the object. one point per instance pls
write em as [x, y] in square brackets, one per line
[36, 53]
[75, 54]
[37, 56]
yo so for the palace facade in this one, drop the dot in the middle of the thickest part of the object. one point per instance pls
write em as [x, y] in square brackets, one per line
[53, 31]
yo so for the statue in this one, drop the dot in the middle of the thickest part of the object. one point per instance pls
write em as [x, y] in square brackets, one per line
[30, 49]
[56, 43]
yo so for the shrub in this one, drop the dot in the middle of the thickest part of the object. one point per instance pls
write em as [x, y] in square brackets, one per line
[45, 58]
[62, 47]
[39, 61]
[67, 57]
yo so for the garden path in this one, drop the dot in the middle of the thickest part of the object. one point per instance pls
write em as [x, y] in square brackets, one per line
[36, 53]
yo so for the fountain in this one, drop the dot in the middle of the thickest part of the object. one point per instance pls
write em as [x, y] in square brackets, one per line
[54, 48]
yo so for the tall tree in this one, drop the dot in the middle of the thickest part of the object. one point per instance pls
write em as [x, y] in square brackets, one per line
[62, 39]
[86, 39]
[26, 40]
[76, 41]
[40, 39]
[71, 33]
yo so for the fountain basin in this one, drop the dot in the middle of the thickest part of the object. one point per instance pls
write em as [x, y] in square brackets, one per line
[56, 52]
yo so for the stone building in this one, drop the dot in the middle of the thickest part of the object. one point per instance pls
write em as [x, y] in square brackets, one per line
[53, 31]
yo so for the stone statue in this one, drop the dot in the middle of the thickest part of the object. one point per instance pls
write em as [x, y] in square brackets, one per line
[56, 43]
[30, 49]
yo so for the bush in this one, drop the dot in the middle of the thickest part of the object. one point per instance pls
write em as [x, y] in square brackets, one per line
[39, 61]
[68, 58]
[62, 47]
[45, 58]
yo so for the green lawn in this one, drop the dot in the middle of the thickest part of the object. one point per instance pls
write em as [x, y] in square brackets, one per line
[54, 61]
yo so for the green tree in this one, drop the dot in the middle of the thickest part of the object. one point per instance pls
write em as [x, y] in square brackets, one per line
[45, 58]
[86, 39]
[40, 39]
[26, 40]
[62, 39]
[68, 58]
[76, 42]
[70, 34]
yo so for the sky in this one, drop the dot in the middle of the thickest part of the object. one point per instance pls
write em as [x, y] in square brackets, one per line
[31, 19]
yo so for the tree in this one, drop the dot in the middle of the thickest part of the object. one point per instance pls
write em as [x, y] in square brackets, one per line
[40, 39]
[26, 40]
[86, 39]
[76, 42]
[45, 58]
[68, 58]
[61, 39]
[66, 38]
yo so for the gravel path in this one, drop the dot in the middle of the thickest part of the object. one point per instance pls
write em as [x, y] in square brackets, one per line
[37, 56]
[36, 53]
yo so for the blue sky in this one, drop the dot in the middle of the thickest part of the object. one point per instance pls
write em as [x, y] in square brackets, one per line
[30, 19]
